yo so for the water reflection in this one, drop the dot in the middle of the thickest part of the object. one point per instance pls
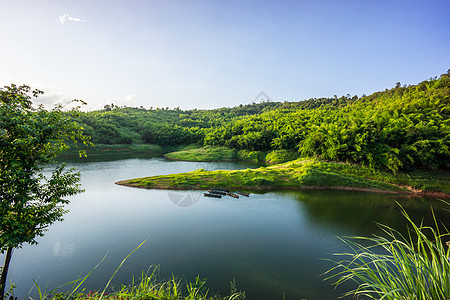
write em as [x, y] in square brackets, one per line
[63, 249]
[358, 213]
[272, 243]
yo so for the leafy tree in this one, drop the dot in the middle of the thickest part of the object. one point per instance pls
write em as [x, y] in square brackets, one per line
[30, 138]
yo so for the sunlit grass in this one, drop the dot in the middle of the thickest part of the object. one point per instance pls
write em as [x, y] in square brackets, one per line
[220, 153]
[296, 174]
[204, 154]
[148, 287]
[301, 173]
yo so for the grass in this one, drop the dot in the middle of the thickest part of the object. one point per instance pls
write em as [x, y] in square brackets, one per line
[204, 154]
[280, 156]
[306, 173]
[396, 267]
[227, 154]
[149, 287]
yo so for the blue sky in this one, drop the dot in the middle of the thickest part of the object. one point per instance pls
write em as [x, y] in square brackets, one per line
[208, 54]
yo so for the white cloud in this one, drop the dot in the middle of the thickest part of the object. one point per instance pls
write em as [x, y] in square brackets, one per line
[52, 96]
[67, 17]
[129, 100]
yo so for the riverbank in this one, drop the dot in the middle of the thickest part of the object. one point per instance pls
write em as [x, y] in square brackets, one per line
[123, 149]
[301, 174]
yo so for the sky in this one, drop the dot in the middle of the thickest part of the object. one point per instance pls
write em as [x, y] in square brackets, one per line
[219, 53]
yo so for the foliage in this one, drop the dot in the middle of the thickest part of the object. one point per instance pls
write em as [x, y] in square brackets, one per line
[127, 125]
[30, 138]
[113, 149]
[397, 267]
[403, 128]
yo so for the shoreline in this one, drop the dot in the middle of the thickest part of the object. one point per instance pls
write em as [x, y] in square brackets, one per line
[306, 174]
[243, 188]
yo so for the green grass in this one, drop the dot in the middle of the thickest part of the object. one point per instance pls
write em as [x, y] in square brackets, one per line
[398, 267]
[149, 287]
[420, 180]
[227, 154]
[204, 154]
[280, 156]
[306, 173]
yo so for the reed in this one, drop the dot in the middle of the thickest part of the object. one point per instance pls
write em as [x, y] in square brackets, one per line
[394, 266]
[148, 287]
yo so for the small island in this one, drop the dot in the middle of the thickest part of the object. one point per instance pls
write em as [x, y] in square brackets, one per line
[300, 174]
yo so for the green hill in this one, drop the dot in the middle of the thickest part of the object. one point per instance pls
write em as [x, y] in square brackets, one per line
[400, 129]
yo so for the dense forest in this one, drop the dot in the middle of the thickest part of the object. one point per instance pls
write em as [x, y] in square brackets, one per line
[402, 128]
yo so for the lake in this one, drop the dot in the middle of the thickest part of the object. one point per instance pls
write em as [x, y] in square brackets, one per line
[273, 244]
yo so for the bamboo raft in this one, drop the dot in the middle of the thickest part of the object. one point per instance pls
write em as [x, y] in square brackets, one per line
[219, 192]
[242, 193]
[212, 195]
[233, 195]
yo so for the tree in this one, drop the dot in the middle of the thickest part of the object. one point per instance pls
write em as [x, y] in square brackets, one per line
[30, 138]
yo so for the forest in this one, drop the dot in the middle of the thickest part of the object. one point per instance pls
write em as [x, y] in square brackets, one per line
[398, 129]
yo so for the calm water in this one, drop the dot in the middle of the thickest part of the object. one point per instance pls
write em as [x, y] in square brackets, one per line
[273, 244]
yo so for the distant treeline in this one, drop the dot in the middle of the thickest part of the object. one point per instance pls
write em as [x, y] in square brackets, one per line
[398, 129]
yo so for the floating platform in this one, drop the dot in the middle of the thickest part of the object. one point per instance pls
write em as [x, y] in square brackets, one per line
[219, 192]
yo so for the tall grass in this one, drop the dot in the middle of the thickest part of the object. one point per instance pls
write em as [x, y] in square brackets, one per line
[148, 287]
[415, 266]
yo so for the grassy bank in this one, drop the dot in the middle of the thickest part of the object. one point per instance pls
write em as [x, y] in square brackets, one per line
[104, 149]
[298, 174]
[204, 154]
[227, 154]
[151, 288]
[150, 149]
[148, 287]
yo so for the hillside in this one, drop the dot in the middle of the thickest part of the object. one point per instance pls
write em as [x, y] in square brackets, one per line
[403, 128]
